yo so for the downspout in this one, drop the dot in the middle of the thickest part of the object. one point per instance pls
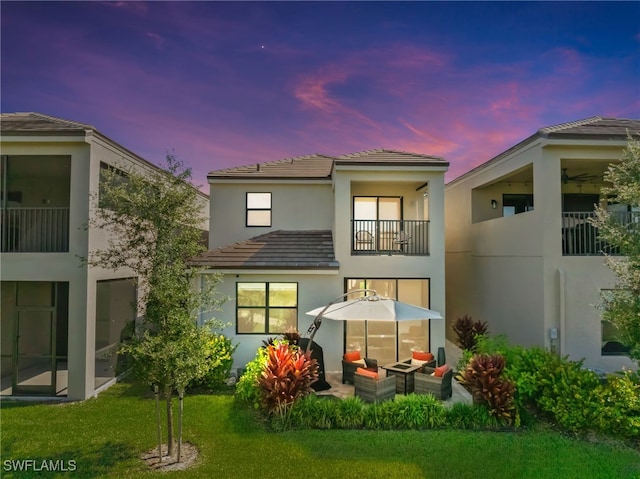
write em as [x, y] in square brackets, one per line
[563, 312]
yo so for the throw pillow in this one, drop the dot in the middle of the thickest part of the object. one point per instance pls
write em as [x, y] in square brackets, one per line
[352, 356]
[422, 356]
[439, 372]
[417, 362]
[366, 372]
[360, 361]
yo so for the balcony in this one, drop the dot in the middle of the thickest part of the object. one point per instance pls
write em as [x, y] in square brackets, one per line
[581, 238]
[389, 237]
[35, 230]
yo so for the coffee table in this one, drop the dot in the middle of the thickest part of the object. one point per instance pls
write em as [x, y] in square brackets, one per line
[404, 374]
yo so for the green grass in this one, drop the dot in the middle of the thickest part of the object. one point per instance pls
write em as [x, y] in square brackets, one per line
[106, 435]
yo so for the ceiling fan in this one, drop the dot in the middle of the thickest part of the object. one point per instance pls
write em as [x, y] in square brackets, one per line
[579, 178]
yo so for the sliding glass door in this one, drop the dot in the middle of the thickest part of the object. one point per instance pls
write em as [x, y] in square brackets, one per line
[376, 221]
[389, 341]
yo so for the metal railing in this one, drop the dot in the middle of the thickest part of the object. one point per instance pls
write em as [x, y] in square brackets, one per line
[35, 230]
[581, 238]
[378, 237]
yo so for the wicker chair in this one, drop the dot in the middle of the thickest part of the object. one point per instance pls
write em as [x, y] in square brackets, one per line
[349, 368]
[374, 390]
[425, 383]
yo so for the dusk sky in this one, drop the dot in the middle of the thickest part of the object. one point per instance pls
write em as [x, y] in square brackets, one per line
[226, 84]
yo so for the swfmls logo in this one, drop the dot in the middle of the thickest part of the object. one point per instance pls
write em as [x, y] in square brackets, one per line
[45, 465]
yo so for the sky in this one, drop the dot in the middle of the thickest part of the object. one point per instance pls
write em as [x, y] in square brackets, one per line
[224, 84]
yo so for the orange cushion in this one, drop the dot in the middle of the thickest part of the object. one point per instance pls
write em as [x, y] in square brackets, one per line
[366, 372]
[439, 372]
[422, 356]
[352, 356]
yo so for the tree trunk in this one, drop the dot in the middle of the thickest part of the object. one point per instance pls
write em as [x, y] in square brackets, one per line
[157, 396]
[168, 397]
[181, 396]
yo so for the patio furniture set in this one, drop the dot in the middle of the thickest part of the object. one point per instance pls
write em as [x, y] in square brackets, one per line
[417, 374]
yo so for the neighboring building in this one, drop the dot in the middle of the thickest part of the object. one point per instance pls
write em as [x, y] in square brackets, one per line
[61, 320]
[292, 235]
[520, 251]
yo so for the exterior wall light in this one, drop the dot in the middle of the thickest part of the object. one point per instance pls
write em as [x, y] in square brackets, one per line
[494, 204]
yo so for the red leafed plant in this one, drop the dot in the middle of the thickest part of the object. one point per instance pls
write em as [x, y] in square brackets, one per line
[483, 376]
[468, 331]
[287, 376]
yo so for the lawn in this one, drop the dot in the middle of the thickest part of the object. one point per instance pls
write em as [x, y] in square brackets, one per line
[105, 437]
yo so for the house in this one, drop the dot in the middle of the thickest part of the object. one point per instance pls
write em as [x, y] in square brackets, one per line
[61, 320]
[521, 253]
[291, 235]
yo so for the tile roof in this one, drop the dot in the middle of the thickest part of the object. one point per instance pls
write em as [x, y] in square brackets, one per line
[280, 249]
[37, 123]
[594, 127]
[390, 157]
[319, 166]
[308, 166]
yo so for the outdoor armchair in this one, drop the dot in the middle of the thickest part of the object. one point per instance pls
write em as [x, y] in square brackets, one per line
[371, 389]
[349, 368]
[440, 387]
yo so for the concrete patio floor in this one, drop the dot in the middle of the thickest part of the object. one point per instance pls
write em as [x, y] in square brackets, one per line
[460, 394]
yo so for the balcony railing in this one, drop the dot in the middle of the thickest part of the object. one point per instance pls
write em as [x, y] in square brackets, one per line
[378, 237]
[35, 230]
[581, 238]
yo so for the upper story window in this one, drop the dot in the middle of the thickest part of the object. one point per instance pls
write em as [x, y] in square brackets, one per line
[377, 208]
[258, 209]
[266, 308]
[512, 204]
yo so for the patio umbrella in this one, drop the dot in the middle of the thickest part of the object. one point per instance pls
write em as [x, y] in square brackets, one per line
[368, 308]
[374, 308]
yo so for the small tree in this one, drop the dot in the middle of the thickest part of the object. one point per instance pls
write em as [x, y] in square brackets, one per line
[621, 306]
[153, 221]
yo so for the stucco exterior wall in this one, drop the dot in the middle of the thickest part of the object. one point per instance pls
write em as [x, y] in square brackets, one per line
[314, 205]
[295, 205]
[86, 154]
[314, 290]
[510, 271]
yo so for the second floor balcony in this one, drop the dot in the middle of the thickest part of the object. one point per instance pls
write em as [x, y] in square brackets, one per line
[35, 230]
[389, 237]
[581, 238]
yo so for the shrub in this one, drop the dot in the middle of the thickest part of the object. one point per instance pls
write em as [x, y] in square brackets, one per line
[569, 393]
[419, 411]
[414, 411]
[621, 399]
[350, 413]
[483, 376]
[314, 412]
[573, 397]
[219, 354]
[287, 376]
[380, 415]
[247, 387]
[468, 331]
[466, 416]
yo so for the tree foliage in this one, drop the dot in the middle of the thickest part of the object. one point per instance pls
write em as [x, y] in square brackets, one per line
[621, 306]
[153, 219]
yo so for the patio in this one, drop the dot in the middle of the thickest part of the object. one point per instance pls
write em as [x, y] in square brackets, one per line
[460, 394]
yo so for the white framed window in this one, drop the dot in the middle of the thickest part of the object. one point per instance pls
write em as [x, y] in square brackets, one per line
[258, 209]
